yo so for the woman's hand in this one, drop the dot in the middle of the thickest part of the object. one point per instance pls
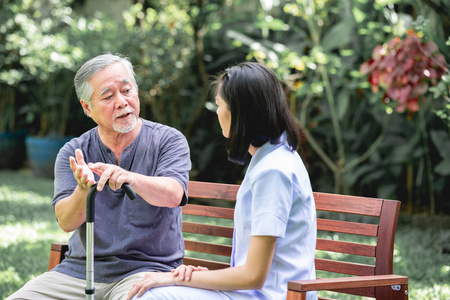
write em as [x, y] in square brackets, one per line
[151, 280]
[184, 272]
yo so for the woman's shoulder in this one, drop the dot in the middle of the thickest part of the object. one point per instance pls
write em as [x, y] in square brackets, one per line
[281, 155]
[281, 160]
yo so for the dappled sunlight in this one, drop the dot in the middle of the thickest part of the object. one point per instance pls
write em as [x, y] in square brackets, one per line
[397, 256]
[30, 232]
[10, 279]
[27, 228]
[27, 216]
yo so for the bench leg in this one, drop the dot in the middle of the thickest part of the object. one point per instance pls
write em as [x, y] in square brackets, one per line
[291, 295]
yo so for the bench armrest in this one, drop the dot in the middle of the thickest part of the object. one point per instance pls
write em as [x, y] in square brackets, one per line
[57, 251]
[398, 285]
[347, 282]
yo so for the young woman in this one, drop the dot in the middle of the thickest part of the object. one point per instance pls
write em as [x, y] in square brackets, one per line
[275, 218]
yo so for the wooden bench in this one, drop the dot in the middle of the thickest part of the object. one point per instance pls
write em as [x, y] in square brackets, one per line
[207, 226]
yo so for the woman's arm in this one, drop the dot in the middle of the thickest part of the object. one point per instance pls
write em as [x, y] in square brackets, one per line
[252, 275]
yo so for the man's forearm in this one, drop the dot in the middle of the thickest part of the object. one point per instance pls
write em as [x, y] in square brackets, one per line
[158, 191]
[71, 211]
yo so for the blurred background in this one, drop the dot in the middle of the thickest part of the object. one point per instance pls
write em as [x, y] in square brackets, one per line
[373, 124]
[367, 81]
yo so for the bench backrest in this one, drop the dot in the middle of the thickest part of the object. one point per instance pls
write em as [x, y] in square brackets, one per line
[372, 221]
[208, 231]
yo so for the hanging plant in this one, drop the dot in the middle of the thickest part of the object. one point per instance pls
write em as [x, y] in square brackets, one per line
[404, 69]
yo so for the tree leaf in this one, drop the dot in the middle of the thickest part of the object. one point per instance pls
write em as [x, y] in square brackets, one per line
[272, 24]
[338, 36]
[443, 168]
[386, 191]
[342, 103]
[441, 141]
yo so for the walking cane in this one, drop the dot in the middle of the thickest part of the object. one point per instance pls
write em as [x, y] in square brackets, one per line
[90, 215]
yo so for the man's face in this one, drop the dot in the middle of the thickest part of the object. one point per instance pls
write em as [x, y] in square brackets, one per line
[115, 101]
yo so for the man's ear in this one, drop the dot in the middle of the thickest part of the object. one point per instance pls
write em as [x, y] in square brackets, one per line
[86, 107]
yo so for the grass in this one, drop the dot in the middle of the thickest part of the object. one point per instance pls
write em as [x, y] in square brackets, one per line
[28, 227]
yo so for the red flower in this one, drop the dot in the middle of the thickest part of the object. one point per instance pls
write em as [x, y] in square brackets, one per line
[404, 69]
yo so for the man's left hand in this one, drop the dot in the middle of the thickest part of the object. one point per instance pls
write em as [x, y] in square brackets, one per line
[115, 174]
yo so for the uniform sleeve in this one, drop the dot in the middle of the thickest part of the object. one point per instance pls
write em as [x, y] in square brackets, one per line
[271, 204]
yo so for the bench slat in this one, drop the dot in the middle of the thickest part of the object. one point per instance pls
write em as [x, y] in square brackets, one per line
[342, 267]
[347, 227]
[210, 264]
[207, 190]
[208, 211]
[346, 247]
[207, 229]
[205, 247]
[348, 204]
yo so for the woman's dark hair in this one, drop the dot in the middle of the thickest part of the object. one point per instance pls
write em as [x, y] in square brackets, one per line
[258, 105]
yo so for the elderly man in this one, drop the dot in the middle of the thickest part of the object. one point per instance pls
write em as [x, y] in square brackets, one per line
[130, 237]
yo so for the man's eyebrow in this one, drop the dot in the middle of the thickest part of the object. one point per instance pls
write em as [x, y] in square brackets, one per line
[123, 81]
[104, 91]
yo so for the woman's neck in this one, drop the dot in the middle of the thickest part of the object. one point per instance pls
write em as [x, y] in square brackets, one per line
[252, 150]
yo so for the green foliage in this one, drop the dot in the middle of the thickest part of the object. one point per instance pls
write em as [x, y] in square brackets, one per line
[442, 90]
[160, 43]
[428, 274]
[317, 52]
[34, 55]
[33, 35]
[439, 139]
[315, 47]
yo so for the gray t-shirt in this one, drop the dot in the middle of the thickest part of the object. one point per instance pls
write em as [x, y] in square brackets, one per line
[130, 236]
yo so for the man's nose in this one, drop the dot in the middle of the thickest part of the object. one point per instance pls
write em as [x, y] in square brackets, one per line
[121, 101]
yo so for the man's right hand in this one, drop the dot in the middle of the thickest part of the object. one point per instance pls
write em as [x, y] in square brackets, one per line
[83, 175]
[71, 210]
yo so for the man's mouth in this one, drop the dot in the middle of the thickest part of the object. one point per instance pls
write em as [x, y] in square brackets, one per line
[123, 116]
